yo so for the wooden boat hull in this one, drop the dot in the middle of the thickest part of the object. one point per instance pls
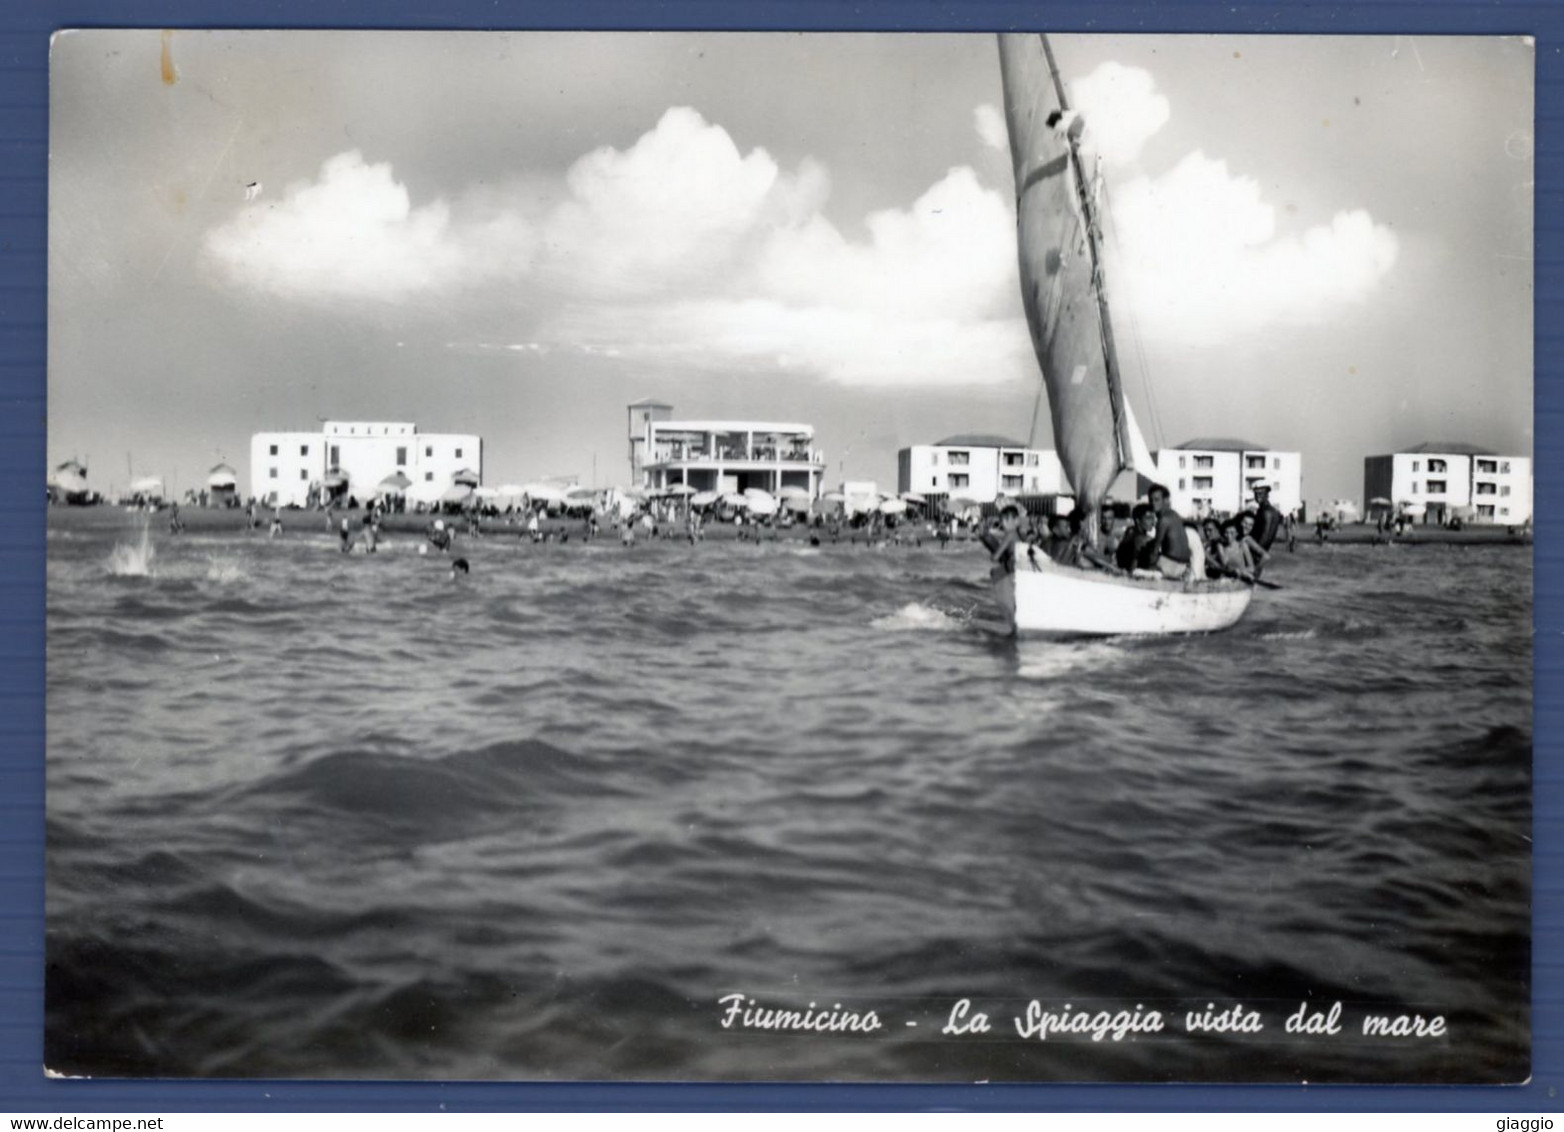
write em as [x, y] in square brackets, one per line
[1045, 598]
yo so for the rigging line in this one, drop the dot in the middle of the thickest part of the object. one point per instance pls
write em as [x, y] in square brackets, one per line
[1153, 412]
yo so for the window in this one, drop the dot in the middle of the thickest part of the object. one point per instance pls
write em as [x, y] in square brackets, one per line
[1276, 463]
[458, 453]
[1010, 483]
[1181, 461]
[1436, 465]
[1416, 468]
[933, 481]
[1504, 468]
[1486, 489]
[1181, 483]
[336, 454]
[934, 457]
[401, 457]
[273, 451]
[1504, 510]
[271, 473]
[959, 459]
[429, 450]
[1485, 512]
[1436, 487]
[1034, 483]
[1255, 462]
[304, 474]
[1012, 459]
[353, 431]
[428, 477]
[304, 450]
[1204, 483]
[1031, 459]
[958, 480]
[1414, 487]
[1205, 461]
[1487, 467]
[1505, 490]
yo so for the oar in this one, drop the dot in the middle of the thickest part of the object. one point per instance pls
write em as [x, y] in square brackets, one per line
[1267, 585]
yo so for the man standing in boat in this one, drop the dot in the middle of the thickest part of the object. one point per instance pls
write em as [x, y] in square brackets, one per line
[1267, 519]
[1173, 556]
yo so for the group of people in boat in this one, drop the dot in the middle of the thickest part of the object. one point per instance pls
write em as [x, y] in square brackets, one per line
[1156, 543]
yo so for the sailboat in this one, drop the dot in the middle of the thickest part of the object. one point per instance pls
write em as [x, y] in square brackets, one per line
[1063, 289]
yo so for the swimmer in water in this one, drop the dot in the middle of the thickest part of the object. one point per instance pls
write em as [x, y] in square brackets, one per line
[460, 569]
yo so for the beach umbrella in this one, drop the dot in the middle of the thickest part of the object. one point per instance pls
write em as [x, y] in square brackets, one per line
[764, 504]
[456, 493]
[792, 491]
[70, 481]
[678, 489]
[544, 493]
[734, 499]
[486, 492]
[222, 478]
[912, 497]
[467, 476]
[833, 497]
[703, 499]
[1379, 501]
[581, 493]
[335, 478]
[394, 484]
[893, 507]
[147, 485]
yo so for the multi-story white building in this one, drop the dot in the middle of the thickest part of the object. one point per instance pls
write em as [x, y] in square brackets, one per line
[1217, 476]
[722, 456]
[979, 467]
[285, 466]
[1447, 479]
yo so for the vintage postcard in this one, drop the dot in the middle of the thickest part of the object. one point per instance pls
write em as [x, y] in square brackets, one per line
[804, 557]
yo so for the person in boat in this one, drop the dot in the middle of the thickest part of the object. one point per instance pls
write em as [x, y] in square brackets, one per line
[438, 535]
[1173, 556]
[1240, 556]
[1268, 521]
[1138, 546]
[1077, 550]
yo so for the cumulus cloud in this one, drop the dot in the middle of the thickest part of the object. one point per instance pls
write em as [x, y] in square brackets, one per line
[1122, 110]
[353, 233]
[681, 248]
[1200, 260]
[990, 126]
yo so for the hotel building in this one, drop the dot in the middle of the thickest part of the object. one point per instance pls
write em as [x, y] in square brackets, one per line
[285, 466]
[723, 456]
[979, 467]
[1449, 479]
[1217, 476]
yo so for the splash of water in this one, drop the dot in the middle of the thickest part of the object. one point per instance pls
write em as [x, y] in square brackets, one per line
[914, 616]
[133, 560]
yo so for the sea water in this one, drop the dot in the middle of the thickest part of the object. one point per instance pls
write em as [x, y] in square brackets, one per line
[317, 815]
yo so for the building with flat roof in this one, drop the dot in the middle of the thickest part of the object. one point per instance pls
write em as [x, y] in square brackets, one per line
[980, 467]
[1440, 480]
[721, 456]
[287, 467]
[1218, 475]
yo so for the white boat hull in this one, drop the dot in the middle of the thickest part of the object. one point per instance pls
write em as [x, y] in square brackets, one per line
[1048, 598]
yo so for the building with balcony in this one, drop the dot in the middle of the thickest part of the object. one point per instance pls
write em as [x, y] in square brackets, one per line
[722, 456]
[1218, 475]
[979, 467]
[1442, 480]
[286, 466]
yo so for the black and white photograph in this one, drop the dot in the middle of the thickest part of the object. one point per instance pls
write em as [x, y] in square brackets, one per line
[806, 557]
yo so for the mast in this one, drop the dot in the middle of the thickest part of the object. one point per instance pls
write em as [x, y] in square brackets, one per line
[1099, 278]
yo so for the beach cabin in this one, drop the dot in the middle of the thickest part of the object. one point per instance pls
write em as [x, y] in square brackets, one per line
[67, 484]
[721, 456]
[222, 487]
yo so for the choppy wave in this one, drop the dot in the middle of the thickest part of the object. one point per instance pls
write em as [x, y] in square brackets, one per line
[322, 815]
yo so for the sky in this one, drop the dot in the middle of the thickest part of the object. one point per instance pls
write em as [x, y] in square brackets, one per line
[1320, 245]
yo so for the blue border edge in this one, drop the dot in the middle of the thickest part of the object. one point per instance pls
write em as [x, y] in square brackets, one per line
[25, 28]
